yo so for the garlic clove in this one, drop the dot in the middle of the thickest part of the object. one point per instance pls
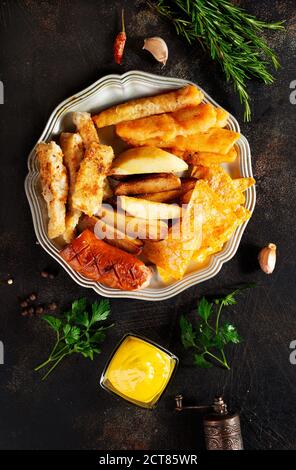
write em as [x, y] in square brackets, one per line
[158, 48]
[267, 258]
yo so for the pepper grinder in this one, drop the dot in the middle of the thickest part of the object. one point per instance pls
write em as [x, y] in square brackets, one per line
[221, 429]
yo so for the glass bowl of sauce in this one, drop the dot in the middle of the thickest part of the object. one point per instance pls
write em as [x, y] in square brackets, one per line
[139, 371]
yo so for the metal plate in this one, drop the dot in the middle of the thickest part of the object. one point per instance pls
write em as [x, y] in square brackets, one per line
[107, 91]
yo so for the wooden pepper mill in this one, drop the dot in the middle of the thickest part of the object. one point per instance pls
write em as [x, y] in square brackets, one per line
[222, 429]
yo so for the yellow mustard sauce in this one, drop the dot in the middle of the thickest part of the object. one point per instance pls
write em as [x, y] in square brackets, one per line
[139, 371]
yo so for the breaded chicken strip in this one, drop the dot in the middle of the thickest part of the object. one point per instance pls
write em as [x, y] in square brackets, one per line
[189, 95]
[89, 185]
[54, 183]
[86, 128]
[72, 147]
[88, 132]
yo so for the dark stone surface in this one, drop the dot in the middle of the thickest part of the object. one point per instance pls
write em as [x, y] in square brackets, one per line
[50, 50]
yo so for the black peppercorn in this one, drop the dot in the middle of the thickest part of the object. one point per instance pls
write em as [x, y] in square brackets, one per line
[44, 274]
[24, 304]
[32, 297]
[52, 306]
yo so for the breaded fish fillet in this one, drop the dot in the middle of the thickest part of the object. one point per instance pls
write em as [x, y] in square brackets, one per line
[167, 126]
[189, 95]
[89, 185]
[54, 183]
[72, 147]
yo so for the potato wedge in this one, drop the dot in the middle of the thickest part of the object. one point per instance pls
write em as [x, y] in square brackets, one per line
[112, 235]
[89, 185]
[148, 209]
[189, 95]
[148, 184]
[163, 196]
[147, 160]
[133, 226]
[86, 128]
[187, 184]
[215, 140]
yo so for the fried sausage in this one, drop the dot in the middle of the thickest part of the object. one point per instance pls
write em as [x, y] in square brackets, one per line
[100, 262]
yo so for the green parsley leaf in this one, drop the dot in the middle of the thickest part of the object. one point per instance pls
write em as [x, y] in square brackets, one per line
[54, 322]
[100, 311]
[200, 361]
[187, 334]
[76, 333]
[204, 309]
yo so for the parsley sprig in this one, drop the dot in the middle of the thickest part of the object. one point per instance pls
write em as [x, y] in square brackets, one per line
[77, 332]
[209, 338]
[230, 35]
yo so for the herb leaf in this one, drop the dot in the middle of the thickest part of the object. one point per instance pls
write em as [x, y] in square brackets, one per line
[231, 37]
[54, 322]
[77, 332]
[204, 309]
[208, 338]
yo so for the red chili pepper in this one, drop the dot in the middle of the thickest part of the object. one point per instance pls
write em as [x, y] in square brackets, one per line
[119, 42]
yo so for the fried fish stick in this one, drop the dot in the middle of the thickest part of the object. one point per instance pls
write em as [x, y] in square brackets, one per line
[205, 158]
[72, 147]
[149, 184]
[86, 128]
[215, 140]
[89, 185]
[189, 95]
[167, 126]
[54, 184]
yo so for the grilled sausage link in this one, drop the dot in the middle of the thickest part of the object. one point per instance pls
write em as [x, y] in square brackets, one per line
[100, 262]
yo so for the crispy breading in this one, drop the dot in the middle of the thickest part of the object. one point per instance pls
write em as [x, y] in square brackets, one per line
[86, 128]
[89, 185]
[72, 147]
[54, 183]
[205, 158]
[189, 95]
[215, 140]
[186, 121]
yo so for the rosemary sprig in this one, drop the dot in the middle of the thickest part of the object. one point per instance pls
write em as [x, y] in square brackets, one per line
[231, 37]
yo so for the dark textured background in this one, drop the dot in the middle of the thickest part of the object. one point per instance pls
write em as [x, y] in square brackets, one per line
[50, 50]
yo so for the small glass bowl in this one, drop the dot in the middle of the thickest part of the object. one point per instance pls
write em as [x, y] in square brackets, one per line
[106, 384]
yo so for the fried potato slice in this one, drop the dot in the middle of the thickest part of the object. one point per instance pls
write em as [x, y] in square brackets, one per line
[215, 236]
[89, 185]
[134, 226]
[222, 183]
[148, 209]
[54, 182]
[174, 254]
[72, 147]
[205, 158]
[86, 128]
[148, 184]
[184, 122]
[162, 196]
[242, 184]
[189, 95]
[215, 140]
[147, 160]
[111, 235]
